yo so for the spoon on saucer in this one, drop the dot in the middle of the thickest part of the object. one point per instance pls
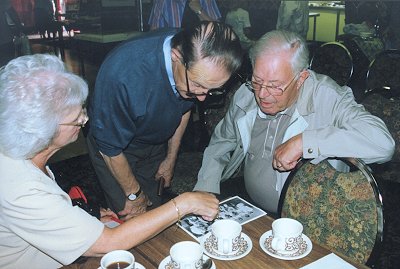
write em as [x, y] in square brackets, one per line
[207, 264]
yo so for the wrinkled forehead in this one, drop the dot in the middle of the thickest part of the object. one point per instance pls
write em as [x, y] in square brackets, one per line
[272, 66]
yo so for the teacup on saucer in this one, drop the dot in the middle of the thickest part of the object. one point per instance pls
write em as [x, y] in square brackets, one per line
[303, 250]
[226, 236]
[244, 247]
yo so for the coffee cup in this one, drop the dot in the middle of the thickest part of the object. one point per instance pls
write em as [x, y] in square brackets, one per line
[225, 236]
[287, 235]
[186, 255]
[118, 259]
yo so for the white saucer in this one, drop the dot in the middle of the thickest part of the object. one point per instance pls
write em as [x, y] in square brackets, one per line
[265, 243]
[245, 247]
[137, 266]
[166, 263]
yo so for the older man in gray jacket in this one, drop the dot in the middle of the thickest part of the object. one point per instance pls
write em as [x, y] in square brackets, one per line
[284, 113]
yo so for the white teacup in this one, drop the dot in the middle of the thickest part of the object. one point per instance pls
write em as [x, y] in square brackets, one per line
[287, 235]
[118, 259]
[225, 236]
[186, 255]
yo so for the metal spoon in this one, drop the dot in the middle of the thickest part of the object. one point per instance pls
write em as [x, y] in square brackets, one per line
[207, 264]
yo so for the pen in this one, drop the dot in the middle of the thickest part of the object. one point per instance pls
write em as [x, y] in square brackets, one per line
[160, 186]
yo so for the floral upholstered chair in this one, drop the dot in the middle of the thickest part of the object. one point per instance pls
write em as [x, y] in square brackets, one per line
[340, 210]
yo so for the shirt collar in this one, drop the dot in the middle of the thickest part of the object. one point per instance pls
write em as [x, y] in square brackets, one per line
[288, 111]
[168, 63]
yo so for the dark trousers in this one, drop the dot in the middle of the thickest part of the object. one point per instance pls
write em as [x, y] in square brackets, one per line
[144, 162]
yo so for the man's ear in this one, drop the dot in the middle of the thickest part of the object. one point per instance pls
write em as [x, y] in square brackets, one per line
[176, 55]
[302, 77]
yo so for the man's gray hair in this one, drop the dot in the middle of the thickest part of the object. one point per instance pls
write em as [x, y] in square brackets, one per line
[36, 93]
[278, 41]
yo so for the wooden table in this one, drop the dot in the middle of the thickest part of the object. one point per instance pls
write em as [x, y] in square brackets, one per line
[151, 253]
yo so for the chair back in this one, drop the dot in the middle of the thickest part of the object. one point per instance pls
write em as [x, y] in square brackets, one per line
[340, 210]
[383, 75]
[334, 60]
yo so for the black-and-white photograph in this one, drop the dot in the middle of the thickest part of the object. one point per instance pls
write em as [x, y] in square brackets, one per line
[234, 208]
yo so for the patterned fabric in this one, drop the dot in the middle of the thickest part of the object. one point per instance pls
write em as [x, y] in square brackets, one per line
[389, 111]
[369, 46]
[338, 210]
[186, 169]
[334, 60]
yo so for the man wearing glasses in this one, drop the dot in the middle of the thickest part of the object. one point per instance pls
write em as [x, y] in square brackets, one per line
[285, 112]
[141, 105]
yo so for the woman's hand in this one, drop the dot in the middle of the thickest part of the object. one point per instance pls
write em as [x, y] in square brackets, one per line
[106, 215]
[199, 203]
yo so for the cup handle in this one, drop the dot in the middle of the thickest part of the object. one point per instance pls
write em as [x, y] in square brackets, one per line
[278, 243]
[226, 249]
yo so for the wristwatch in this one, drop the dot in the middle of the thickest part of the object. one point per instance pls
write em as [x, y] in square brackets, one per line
[134, 196]
[198, 12]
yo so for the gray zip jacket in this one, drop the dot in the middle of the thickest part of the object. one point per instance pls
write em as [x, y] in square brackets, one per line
[332, 124]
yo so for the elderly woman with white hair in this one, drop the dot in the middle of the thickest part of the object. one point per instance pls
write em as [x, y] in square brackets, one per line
[41, 111]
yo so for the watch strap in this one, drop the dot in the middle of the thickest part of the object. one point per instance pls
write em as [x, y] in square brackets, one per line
[135, 194]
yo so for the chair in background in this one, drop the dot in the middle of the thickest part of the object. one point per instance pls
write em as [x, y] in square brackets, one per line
[382, 99]
[383, 74]
[340, 210]
[334, 60]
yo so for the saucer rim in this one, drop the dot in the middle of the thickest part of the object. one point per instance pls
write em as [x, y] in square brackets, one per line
[169, 257]
[305, 238]
[245, 237]
[138, 265]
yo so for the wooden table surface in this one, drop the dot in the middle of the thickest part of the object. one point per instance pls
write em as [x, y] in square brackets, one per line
[151, 253]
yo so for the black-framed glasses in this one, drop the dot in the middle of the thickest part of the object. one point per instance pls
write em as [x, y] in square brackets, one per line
[272, 90]
[211, 92]
[81, 121]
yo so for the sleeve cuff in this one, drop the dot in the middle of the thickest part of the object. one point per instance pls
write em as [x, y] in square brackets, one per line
[310, 144]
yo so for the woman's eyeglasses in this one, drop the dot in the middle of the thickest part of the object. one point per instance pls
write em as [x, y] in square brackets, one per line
[81, 121]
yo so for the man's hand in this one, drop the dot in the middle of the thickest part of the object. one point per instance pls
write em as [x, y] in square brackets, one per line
[287, 154]
[166, 170]
[135, 208]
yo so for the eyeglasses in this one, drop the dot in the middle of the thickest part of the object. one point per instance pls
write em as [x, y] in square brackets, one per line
[81, 121]
[211, 92]
[272, 90]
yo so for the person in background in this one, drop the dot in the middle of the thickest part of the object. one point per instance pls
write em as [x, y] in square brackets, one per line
[145, 90]
[284, 113]
[10, 29]
[41, 111]
[239, 19]
[293, 16]
[44, 17]
[171, 13]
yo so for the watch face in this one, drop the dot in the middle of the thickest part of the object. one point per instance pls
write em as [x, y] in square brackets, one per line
[132, 196]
